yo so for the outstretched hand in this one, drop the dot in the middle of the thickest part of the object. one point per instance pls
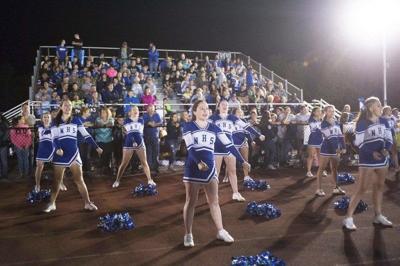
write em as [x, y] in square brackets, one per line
[99, 151]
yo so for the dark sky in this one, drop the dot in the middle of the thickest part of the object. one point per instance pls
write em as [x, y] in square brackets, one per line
[296, 29]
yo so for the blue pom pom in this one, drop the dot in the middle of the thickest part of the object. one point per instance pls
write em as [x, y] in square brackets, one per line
[145, 190]
[263, 258]
[345, 178]
[343, 204]
[266, 210]
[116, 222]
[36, 197]
[256, 184]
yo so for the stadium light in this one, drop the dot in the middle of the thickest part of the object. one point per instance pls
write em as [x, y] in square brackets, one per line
[370, 21]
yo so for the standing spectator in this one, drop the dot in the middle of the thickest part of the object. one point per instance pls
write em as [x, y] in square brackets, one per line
[301, 123]
[104, 137]
[125, 53]
[4, 142]
[21, 138]
[84, 147]
[152, 121]
[130, 99]
[153, 59]
[110, 95]
[30, 119]
[173, 138]
[118, 141]
[270, 131]
[347, 109]
[62, 52]
[77, 50]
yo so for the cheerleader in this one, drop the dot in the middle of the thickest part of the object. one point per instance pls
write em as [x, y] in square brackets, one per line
[200, 137]
[133, 142]
[240, 139]
[391, 120]
[45, 150]
[374, 140]
[227, 124]
[314, 140]
[64, 131]
[331, 148]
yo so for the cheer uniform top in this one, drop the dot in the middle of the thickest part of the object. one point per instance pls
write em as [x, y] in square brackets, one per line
[315, 138]
[65, 137]
[391, 121]
[228, 125]
[134, 134]
[372, 137]
[201, 143]
[332, 138]
[240, 135]
[46, 149]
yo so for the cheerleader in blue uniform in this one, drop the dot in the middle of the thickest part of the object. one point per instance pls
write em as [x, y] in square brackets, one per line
[391, 120]
[64, 131]
[374, 140]
[314, 140]
[227, 124]
[133, 127]
[45, 150]
[241, 137]
[331, 148]
[200, 137]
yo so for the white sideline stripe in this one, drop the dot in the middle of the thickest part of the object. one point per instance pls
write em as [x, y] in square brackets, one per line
[197, 245]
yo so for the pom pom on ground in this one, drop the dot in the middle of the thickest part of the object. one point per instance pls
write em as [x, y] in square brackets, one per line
[116, 222]
[343, 204]
[145, 190]
[252, 184]
[345, 178]
[36, 197]
[263, 258]
[266, 210]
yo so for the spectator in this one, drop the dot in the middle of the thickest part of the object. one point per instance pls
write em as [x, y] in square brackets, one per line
[130, 99]
[152, 121]
[137, 88]
[148, 98]
[347, 109]
[84, 147]
[111, 72]
[104, 138]
[118, 141]
[29, 119]
[153, 59]
[270, 131]
[173, 138]
[77, 50]
[4, 143]
[110, 95]
[62, 52]
[125, 53]
[21, 138]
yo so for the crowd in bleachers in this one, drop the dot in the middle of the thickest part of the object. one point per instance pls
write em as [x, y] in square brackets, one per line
[92, 81]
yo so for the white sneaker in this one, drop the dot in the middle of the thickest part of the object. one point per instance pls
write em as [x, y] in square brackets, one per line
[63, 187]
[380, 219]
[247, 178]
[271, 167]
[338, 191]
[90, 207]
[188, 240]
[116, 184]
[309, 174]
[348, 223]
[324, 173]
[238, 197]
[151, 182]
[225, 236]
[320, 193]
[225, 180]
[51, 207]
[36, 189]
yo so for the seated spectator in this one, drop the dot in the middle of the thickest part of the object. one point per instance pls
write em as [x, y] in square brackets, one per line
[150, 84]
[130, 99]
[234, 101]
[111, 72]
[147, 97]
[198, 95]
[137, 87]
[110, 95]
[347, 109]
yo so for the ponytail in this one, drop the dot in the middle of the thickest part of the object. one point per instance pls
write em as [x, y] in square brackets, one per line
[365, 112]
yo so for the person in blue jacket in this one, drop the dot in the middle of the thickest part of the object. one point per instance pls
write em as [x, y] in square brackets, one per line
[65, 131]
[200, 169]
[153, 59]
[374, 140]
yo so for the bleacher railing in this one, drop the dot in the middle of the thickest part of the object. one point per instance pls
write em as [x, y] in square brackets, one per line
[109, 52]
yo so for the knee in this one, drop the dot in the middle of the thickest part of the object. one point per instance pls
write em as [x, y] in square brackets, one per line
[213, 202]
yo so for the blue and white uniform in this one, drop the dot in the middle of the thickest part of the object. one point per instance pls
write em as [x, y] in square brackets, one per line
[391, 121]
[201, 143]
[134, 134]
[240, 135]
[332, 138]
[315, 138]
[228, 125]
[46, 149]
[65, 137]
[372, 137]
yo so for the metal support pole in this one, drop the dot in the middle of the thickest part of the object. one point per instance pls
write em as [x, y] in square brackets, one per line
[301, 95]
[272, 77]
[286, 85]
[248, 60]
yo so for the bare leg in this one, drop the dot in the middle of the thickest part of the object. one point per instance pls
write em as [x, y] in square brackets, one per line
[377, 192]
[218, 163]
[58, 175]
[126, 157]
[143, 160]
[334, 165]
[245, 153]
[211, 190]
[38, 174]
[231, 168]
[323, 162]
[76, 170]
[364, 178]
[192, 193]
[311, 153]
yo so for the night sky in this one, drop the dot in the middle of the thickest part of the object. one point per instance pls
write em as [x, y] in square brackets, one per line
[298, 30]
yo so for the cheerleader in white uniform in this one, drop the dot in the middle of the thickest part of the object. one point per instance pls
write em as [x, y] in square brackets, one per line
[391, 120]
[374, 140]
[315, 139]
[64, 131]
[45, 150]
[133, 127]
[200, 172]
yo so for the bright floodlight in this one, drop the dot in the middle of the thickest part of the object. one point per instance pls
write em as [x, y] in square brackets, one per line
[368, 20]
